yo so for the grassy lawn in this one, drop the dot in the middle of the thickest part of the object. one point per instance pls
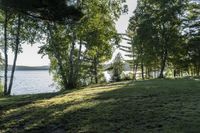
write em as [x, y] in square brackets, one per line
[1, 89]
[171, 106]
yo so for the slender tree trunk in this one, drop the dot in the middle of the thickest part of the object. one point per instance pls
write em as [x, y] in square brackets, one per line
[163, 63]
[5, 52]
[149, 70]
[174, 73]
[95, 70]
[197, 70]
[78, 61]
[146, 72]
[71, 64]
[16, 53]
[192, 72]
[57, 55]
[135, 71]
[142, 69]
[91, 78]
[189, 71]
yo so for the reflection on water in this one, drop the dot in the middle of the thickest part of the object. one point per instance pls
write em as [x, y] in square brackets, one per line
[32, 82]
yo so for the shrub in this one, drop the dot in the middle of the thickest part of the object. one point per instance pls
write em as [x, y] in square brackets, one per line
[128, 76]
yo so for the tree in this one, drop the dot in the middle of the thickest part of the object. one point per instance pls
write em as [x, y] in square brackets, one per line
[94, 32]
[14, 36]
[5, 51]
[192, 33]
[52, 10]
[117, 67]
[155, 29]
[17, 43]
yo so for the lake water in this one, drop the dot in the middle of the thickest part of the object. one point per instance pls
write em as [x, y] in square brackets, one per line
[33, 82]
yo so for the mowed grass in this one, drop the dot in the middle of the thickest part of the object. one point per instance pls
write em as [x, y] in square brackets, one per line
[169, 106]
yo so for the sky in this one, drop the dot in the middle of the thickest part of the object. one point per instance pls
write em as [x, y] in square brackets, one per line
[122, 23]
[30, 56]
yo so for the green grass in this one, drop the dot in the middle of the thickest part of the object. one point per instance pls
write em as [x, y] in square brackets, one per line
[1, 89]
[169, 106]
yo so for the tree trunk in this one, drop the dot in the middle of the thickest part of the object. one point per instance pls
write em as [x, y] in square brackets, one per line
[5, 52]
[78, 62]
[174, 73]
[91, 78]
[149, 75]
[16, 53]
[197, 68]
[71, 64]
[135, 71]
[57, 56]
[163, 63]
[95, 70]
[146, 72]
[142, 69]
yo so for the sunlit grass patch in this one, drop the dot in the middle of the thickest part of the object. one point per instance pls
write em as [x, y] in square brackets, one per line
[1, 89]
[140, 106]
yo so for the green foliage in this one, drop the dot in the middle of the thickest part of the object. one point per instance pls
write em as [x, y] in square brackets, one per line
[126, 77]
[157, 29]
[67, 43]
[77, 50]
[192, 33]
[117, 68]
[53, 10]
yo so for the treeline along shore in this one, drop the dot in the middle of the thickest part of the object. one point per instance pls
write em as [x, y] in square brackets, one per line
[29, 68]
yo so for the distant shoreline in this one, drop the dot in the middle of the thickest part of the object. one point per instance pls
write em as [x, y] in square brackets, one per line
[29, 68]
[33, 70]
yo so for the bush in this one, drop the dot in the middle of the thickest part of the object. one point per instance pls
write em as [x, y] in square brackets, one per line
[128, 76]
[117, 68]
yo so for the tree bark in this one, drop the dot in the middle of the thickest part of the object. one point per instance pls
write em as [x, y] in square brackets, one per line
[95, 70]
[71, 64]
[142, 68]
[5, 52]
[57, 56]
[174, 73]
[16, 53]
[78, 62]
[135, 72]
[198, 70]
[163, 63]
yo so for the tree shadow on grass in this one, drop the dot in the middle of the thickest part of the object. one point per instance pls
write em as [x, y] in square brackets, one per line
[137, 107]
[12, 102]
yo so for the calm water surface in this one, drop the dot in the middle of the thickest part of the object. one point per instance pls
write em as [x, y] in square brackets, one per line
[33, 82]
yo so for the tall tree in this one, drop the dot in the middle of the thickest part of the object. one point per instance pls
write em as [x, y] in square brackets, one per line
[155, 28]
[192, 33]
[14, 36]
[94, 32]
[16, 49]
[5, 50]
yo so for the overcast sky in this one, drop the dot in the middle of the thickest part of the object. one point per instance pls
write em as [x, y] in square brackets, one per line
[30, 57]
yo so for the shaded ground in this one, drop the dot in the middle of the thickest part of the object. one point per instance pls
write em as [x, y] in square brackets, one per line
[142, 106]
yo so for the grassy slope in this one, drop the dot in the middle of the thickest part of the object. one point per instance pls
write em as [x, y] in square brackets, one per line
[142, 106]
